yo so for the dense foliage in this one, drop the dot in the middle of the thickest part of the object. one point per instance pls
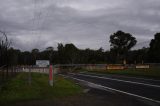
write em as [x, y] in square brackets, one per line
[70, 54]
[121, 43]
[154, 50]
[4, 46]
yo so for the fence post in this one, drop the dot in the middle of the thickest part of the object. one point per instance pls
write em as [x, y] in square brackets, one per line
[29, 77]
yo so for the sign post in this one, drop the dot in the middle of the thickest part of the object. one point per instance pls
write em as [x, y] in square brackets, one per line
[51, 75]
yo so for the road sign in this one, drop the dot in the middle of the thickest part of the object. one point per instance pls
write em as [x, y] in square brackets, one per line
[142, 66]
[42, 63]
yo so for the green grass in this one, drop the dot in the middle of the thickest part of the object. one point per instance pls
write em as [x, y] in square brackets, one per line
[17, 89]
[149, 73]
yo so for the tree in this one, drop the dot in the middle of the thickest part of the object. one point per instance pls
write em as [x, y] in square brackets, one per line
[61, 54]
[35, 53]
[154, 50]
[121, 43]
[4, 46]
[49, 51]
[137, 56]
[49, 48]
[72, 52]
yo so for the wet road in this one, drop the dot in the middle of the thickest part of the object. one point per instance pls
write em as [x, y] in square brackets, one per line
[141, 88]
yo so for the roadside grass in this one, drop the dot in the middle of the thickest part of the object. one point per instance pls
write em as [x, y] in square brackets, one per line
[148, 73]
[17, 89]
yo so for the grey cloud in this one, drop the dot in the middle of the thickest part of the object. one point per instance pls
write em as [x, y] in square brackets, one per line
[86, 23]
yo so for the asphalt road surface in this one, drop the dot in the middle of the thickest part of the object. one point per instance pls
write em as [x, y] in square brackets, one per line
[147, 90]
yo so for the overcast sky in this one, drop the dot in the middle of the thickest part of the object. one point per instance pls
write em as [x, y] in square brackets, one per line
[86, 23]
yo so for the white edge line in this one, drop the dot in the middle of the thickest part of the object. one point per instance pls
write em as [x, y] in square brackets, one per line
[116, 90]
[120, 80]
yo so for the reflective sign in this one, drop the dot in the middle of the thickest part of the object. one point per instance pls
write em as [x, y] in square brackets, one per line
[42, 63]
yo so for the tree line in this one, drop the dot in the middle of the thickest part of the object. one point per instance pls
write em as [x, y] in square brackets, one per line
[121, 44]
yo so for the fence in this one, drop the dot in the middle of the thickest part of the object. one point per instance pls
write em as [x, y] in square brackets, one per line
[44, 70]
[7, 73]
[73, 67]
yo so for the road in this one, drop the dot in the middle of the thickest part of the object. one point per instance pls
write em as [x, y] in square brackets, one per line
[141, 88]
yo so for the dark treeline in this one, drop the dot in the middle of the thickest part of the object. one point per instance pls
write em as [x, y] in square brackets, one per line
[121, 44]
[4, 46]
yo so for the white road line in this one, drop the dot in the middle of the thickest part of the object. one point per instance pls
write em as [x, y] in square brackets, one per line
[112, 89]
[113, 79]
[127, 77]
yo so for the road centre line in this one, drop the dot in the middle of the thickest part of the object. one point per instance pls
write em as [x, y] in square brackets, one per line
[139, 83]
[128, 77]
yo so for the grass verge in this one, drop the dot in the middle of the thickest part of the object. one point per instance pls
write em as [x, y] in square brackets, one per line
[17, 89]
[148, 73]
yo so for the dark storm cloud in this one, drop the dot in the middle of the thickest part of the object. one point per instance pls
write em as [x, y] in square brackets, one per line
[86, 23]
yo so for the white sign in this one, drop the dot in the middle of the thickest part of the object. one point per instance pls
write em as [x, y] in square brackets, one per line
[142, 66]
[42, 63]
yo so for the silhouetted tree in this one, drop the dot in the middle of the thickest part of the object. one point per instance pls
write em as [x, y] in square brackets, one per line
[61, 54]
[13, 55]
[154, 50]
[49, 51]
[4, 46]
[35, 54]
[138, 56]
[71, 52]
[121, 43]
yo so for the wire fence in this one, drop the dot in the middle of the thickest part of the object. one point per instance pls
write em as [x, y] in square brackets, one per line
[35, 69]
[64, 68]
[7, 73]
